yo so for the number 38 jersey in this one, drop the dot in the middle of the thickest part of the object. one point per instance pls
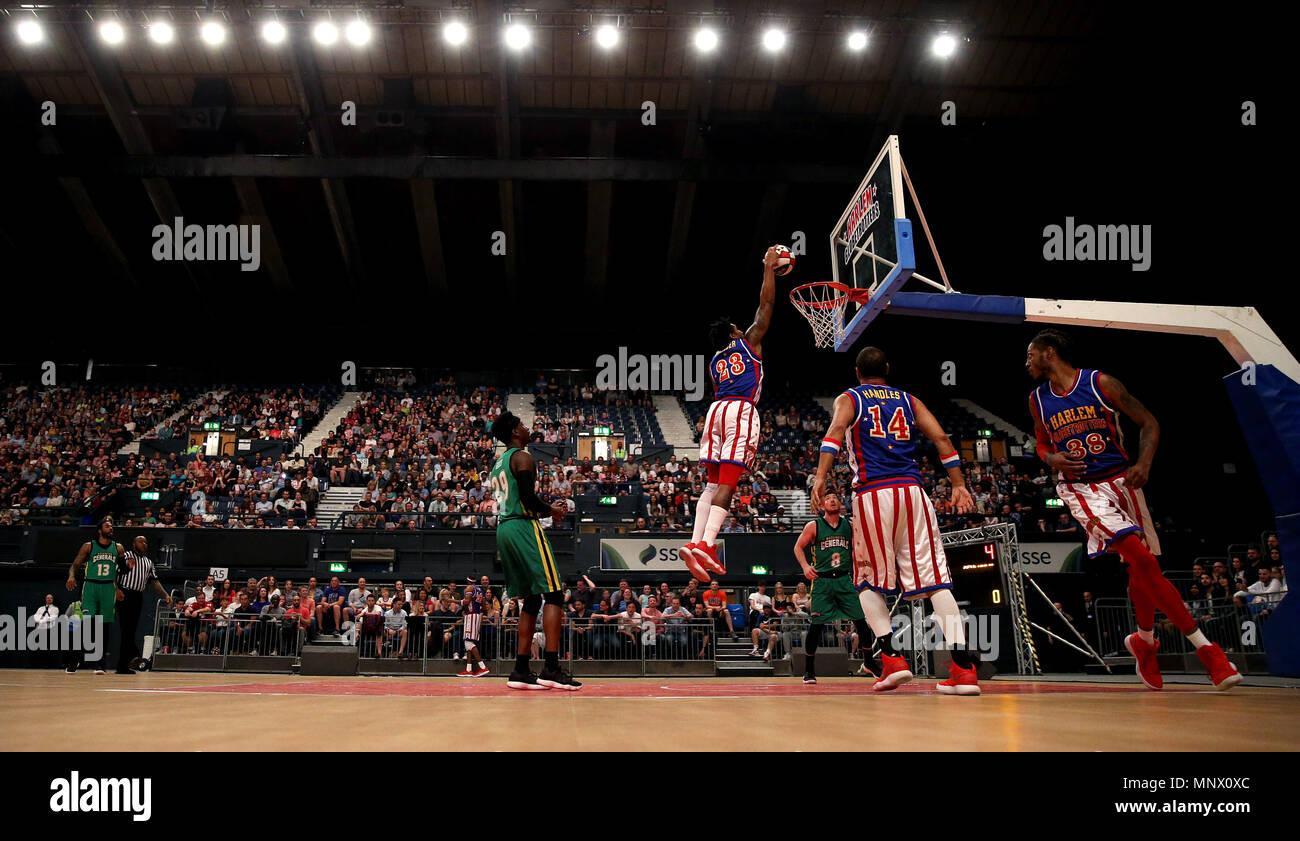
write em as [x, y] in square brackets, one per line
[1083, 421]
[882, 437]
[737, 371]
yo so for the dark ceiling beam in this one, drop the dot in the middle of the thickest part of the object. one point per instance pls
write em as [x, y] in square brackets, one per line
[901, 86]
[491, 13]
[84, 207]
[426, 221]
[306, 85]
[445, 168]
[254, 211]
[600, 201]
[250, 199]
[118, 103]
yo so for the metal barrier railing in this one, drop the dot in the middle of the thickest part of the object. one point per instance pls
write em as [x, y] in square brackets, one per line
[219, 636]
[1234, 627]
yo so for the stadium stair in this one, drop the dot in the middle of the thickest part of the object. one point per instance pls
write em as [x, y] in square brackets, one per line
[330, 421]
[679, 432]
[797, 506]
[336, 501]
[134, 447]
[734, 660]
[827, 403]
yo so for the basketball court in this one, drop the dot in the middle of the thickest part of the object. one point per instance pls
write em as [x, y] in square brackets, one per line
[179, 711]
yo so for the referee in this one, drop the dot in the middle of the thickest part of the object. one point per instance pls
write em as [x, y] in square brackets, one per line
[137, 574]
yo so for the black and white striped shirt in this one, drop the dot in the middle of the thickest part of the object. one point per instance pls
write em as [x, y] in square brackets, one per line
[136, 579]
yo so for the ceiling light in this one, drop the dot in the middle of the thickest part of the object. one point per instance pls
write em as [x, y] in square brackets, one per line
[212, 33]
[325, 33]
[357, 33]
[29, 32]
[607, 36]
[161, 32]
[944, 45]
[857, 40]
[773, 40]
[705, 40]
[273, 32]
[518, 36]
[455, 33]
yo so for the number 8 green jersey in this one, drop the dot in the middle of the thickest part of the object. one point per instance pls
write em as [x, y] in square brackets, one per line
[832, 549]
[102, 563]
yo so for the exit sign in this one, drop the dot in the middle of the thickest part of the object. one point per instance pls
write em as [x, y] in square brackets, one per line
[758, 570]
[986, 433]
[1054, 503]
[600, 430]
[338, 567]
[149, 495]
[211, 425]
[609, 500]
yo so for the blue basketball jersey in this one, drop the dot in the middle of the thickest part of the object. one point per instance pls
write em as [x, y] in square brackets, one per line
[882, 437]
[737, 371]
[1082, 420]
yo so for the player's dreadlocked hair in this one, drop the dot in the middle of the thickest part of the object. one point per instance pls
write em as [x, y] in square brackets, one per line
[720, 332]
[1057, 341]
[505, 424]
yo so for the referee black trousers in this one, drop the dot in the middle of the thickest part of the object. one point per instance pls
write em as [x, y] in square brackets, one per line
[128, 621]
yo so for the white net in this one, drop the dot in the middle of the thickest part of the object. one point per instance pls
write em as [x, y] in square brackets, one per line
[823, 304]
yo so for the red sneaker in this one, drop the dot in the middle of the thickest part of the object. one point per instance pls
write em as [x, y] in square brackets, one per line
[1145, 653]
[480, 672]
[708, 557]
[465, 672]
[893, 673]
[688, 554]
[1223, 674]
[960, 681]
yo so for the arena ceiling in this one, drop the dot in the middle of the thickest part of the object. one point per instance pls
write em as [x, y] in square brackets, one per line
[452, 144]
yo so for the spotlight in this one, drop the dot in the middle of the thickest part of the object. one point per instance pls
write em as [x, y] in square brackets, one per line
[455, 33]
[773, 40]
[325, 33]
[212, 33]
[857, 41]
[944, 45]
[706, 40]
[112, 32]
[29, 32]
[518, 36]
[357, 33]
[161, 32]
[273, 32]
[607, 36]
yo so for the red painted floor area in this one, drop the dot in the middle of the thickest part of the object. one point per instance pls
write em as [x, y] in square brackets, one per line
[495, 686]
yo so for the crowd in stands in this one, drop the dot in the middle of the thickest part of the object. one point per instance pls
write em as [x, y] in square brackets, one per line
[283, 413]
[58, 446]
[268, 617]
[423, 457]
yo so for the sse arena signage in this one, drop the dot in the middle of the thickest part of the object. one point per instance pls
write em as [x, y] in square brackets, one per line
[1051, 557]
[651, 553]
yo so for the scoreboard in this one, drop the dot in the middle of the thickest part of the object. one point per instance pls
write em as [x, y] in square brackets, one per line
[977, 574]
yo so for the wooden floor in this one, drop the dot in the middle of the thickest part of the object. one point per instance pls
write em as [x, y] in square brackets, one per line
[48, 710]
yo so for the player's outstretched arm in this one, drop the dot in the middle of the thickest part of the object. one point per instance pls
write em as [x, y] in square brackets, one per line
[766, 303]
[1118, 397]
[929, 426]
[806, 536]
[841, 417]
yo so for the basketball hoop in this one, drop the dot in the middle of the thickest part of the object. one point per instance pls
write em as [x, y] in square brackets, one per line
[823, 304]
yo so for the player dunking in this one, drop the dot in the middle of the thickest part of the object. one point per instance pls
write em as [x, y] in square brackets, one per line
[472, 619]
[1079, 438]
[895, 532]
[526, 556]
[99, 593]
[831, 572]
[729, 442]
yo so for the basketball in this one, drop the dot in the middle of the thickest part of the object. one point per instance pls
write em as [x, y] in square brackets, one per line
[785, 264]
